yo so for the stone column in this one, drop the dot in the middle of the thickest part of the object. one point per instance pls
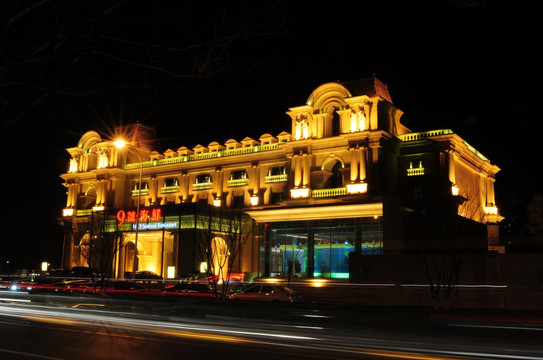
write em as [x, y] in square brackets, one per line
[354, 164]
[306, 161]
[297, 170]
[362, 163]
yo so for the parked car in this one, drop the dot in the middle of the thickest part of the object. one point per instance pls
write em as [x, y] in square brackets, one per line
[189, 290]
[193, 276]
[202, 277]
[122, 287]
[143, 275]
[267, 292]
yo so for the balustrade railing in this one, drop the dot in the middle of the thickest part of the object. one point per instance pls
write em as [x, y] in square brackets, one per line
[205, 156]
[324, 193]
[276, 178]
[238, 182]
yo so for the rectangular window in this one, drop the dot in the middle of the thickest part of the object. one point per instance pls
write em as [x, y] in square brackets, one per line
[168, 182]
[237, 175]
[203, 179]
[276, 170]
[144, 185]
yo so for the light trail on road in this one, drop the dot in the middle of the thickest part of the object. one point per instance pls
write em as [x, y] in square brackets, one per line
[308, 338]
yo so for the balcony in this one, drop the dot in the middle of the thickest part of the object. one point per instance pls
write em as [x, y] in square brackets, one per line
[276, 178]
[415, 172]
[326, 193]
[143, 192]
[201, 186]
[169, 189]
[238, 182]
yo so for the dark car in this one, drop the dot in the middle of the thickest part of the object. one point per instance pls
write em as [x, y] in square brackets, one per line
[144, 275]
[190, 290]
[82, 272]
[267, 292]
[123, 287]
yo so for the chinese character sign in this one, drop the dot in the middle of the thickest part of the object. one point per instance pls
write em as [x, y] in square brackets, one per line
[145, 215]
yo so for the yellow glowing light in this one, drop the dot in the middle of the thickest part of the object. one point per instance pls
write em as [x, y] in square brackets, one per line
[318, 282]
[98, 208]
[44, 266]
[120, 143]
[357, 188]
[271, 280]
[455, 190]
[217, 202]
[203, 266]
[171, 272]
[254, 200]
[67, 212]
[299, 193]
[492, 210]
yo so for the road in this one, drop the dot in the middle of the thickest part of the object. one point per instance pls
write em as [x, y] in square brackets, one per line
[80, 328]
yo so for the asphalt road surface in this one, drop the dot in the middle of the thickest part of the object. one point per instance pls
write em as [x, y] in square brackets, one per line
[81, 328]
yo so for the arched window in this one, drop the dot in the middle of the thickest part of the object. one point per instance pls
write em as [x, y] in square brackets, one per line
[333, 175]
[335, 123]
[336, 180]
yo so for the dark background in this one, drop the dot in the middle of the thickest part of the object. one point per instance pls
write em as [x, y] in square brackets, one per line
[70, 67]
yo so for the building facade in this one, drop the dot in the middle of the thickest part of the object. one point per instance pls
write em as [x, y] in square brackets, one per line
[348, 180]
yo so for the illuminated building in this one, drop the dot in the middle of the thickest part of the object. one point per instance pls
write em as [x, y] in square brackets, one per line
[345, 180]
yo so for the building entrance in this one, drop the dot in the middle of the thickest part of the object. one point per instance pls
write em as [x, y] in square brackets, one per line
[154, 252]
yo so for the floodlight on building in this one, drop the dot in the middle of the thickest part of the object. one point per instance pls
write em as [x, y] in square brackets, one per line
[98, 208]
[357, 188]
[455, 190]
[67, 212]
[254, 200]
[217, 202]
[170, 273]
[299, 193]
[491, 210]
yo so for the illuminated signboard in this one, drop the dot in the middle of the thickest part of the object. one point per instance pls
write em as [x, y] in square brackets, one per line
[149, 219]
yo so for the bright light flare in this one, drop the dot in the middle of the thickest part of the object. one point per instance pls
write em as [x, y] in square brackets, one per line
[120, 143]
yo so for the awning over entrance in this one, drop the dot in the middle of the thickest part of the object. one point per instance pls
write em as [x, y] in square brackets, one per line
[317, 212]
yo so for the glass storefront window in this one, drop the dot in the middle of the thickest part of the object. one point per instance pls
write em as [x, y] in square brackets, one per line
[318, 248]
[333, 243]
[288, 249]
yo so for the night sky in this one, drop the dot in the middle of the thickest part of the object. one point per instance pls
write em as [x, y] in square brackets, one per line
[70, 67]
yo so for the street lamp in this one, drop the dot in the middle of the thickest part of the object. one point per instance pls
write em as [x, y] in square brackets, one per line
[121, 144]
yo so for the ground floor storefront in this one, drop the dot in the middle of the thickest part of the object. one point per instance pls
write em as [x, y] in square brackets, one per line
[171, 241]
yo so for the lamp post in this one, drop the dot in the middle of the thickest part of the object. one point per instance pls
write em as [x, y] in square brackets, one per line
[121, 144]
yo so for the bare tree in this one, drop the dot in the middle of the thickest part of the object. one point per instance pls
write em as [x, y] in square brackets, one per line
[95, 245]
[534, 212]
[57, 53]
[444, 231]
[221, 235]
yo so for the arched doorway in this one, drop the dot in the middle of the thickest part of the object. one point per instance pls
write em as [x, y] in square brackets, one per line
[219, 250]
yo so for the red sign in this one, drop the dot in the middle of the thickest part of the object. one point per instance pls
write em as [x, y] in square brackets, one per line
[130, 216]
